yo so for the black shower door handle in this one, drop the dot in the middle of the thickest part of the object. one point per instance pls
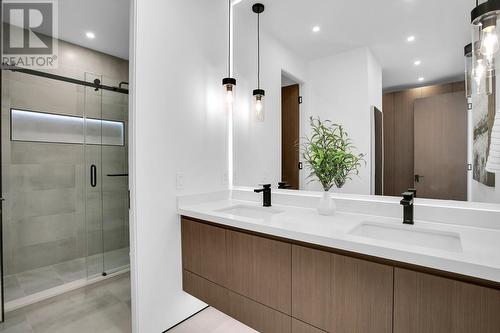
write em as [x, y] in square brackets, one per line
[93, 175]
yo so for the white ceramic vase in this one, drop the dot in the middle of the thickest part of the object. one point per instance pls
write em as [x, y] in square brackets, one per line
[327, 205]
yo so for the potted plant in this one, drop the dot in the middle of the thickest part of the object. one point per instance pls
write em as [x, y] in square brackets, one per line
[331, 158]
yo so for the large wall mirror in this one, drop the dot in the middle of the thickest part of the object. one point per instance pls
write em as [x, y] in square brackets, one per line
[391, 73]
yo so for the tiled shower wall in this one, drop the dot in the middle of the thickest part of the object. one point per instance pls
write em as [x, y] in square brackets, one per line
[46, 218]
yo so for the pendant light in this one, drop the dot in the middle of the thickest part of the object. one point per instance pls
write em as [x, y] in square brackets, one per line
[476, 79]
[229, 83]
[485, 43]
[258, 94]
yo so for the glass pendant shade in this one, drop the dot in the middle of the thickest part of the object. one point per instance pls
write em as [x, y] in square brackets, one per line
[229, 85]
[258, 103]
[485, 46]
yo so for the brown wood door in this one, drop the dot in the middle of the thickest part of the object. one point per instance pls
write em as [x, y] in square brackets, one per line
[440, 147]
[378, 124]
[290, 128]
[429, 304]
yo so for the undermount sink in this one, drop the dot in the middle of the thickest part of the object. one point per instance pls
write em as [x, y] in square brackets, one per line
[253, 212]
[410, 235]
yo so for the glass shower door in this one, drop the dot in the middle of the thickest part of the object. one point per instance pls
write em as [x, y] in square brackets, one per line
[106, 157]
[93, 141]
[115, 179]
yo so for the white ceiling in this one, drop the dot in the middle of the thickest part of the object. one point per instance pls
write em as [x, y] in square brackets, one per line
[441, 29]
[107, 19]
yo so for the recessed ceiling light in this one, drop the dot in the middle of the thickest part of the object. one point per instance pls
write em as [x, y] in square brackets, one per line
[316, 28]
[420, 79]
[410, 39]
[90, 35]
[417, 63]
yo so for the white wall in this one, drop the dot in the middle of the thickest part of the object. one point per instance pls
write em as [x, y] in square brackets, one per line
[483, 193]
[178, 125]
[478, 191]
[257, 145]
[342, 88]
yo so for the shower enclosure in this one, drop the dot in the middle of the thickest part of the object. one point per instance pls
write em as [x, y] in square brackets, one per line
[65, 183]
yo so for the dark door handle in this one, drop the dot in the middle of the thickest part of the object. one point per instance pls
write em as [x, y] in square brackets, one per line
[301, 166]
[418, 178]
[93, 175]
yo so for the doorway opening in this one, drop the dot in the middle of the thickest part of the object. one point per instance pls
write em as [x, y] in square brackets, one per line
[290, 132]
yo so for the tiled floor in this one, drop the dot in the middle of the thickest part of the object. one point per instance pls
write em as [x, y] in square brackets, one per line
[102, 308]
[211, 321]
[31, 282]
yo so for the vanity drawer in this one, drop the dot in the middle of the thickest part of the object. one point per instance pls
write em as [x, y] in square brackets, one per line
[206, 291]
[204, 250]
[258, 316]
[260, 268]
[341, 294]
[311, 286]
[425, 303]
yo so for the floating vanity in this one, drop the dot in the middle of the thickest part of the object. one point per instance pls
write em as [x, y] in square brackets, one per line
[287, 269]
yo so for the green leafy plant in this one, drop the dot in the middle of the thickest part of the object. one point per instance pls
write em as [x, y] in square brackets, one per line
[330, 155]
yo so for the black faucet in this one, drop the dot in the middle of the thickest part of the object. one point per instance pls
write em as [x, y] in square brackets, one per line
[407, 203]
[267, 194]
[283, 185]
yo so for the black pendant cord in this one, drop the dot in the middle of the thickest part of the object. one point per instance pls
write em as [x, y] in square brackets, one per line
[258, 51]
[229, 41]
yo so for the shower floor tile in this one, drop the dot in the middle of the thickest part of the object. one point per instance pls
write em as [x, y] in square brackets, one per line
[31, 282]
[12, 288]
[117, 258]
[94, 308]
[72, 270]
[39, 280]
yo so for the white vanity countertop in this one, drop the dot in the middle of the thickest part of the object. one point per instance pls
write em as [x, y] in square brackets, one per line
[478, 257]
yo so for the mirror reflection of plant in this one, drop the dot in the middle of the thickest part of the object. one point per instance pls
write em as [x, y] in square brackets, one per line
[330, 154]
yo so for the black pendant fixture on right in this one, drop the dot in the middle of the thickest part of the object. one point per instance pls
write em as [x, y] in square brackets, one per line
[485, 44]
[258, 94]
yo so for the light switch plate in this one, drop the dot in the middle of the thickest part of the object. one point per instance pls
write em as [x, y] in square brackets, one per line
[225, 178]
[179, 181]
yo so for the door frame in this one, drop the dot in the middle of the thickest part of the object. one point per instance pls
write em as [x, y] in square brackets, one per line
[302, 123]
[2, 298]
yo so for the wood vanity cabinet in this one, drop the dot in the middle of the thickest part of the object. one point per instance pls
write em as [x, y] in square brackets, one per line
[425, 303]
[277, 285]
